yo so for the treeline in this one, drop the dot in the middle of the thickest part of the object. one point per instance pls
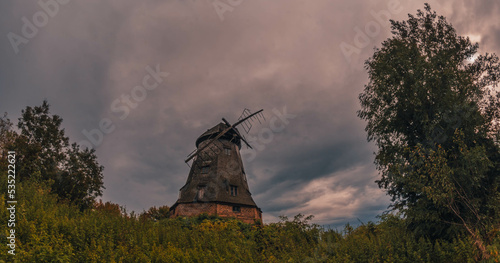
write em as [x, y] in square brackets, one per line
[49, 230]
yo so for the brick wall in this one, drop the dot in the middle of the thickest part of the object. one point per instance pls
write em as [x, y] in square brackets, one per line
[246, 214]
[194, 209]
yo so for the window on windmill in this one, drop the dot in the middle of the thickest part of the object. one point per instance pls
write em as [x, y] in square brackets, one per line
[227, 150]
[236, 209]
[201, 191]
[204, 169]
[234, 190]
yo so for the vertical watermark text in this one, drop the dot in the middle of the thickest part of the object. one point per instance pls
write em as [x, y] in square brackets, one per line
[11, 202]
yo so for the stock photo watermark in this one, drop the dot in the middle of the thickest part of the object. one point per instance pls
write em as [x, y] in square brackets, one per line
[366, 35]
[31, 27]
[277, 124]
[223, 6]
[123, 105]
[11, 202]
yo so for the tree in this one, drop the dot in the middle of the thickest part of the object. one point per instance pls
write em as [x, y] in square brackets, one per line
[432, 109]
[44, 153]
[155, 214]
[7, 137]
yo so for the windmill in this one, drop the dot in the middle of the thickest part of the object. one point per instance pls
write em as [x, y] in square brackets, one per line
[217, 182]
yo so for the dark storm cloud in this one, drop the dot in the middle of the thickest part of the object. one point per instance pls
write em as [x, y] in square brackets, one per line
[263, 54]
[66, 62]
[308, 164]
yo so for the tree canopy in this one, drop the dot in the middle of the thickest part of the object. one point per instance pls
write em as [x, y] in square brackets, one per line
[43, 152]
[432, 108]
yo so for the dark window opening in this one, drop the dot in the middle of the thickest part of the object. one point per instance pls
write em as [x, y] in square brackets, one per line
[234, 190]
[236, 209]
[205, 169]
[227, 151]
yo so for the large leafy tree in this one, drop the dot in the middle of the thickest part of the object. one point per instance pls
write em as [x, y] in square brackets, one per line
[432, 109]
[43, 153]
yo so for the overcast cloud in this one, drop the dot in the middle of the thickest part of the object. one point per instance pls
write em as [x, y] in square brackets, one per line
[87, 57]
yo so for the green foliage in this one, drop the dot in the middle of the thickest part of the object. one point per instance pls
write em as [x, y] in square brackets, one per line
[43, 151]
[156, 214]
[434, 114]
[51, 231]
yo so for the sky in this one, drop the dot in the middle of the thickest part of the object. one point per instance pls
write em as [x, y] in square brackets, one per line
[139, 81]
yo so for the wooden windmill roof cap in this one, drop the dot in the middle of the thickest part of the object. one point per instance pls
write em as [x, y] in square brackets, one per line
[214, 131]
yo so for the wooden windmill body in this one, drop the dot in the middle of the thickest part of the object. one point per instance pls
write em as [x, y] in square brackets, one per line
[217, 183]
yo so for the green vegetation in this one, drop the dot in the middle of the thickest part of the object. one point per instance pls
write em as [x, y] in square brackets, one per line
[433, 113]
[51, 231]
